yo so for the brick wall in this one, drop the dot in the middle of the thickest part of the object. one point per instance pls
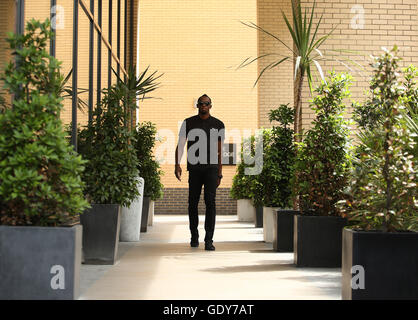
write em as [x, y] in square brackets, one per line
[361, 25]
[175, 201]
[198, 45]
[276, 85]
[7, 23]
[39, 9]
[365, 26]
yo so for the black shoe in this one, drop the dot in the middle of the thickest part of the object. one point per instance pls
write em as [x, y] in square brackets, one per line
[209, 246]
[194, 243]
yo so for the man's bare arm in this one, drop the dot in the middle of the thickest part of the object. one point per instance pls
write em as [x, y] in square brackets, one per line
[178, 155]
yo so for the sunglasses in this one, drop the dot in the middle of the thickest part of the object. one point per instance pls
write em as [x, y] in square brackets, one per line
[207, 104]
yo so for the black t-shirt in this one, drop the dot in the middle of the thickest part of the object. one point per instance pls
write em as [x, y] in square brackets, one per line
[202, 141]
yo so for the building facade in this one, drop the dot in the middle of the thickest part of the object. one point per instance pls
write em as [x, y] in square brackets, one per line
[199, 44]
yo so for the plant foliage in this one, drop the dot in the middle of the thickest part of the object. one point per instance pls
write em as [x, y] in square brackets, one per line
[148, 166]
[305, 53]
[111, 173]
[278, 161]
[40, 180]
[323, 159]
[242, 183]
[383, 191]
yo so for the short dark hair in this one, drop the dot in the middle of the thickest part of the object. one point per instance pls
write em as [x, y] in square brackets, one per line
[204, 95]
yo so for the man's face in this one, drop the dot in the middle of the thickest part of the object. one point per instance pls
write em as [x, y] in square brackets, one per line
[204, 105]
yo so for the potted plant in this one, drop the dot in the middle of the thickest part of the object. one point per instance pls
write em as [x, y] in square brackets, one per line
[111, 175]
[282, 155]
[41, 192]
[380, 251]
[148, 167]
[321, 173]
[241, 182]
[157, 189]
[264, 184]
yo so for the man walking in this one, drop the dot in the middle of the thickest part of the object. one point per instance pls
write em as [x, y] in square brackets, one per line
[204, 135]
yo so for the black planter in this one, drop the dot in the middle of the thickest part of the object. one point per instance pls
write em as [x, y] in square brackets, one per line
[40, 263]
[145, 212]
[389, 262]
[259, 217]
[318, 241]
[101, 226]
[283, 230]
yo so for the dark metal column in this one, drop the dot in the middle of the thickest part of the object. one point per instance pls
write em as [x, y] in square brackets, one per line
[75, 74]
[20, 16]
[52, 48]
[131, 35]
[99, 54]
[109, 68]
[91, 64]
[118, 38]
[125, 45]
[20, 29]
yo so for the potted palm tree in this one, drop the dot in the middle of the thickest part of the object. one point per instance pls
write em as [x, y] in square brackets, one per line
[305, 53]
[322, 168]
[135, 89]
[41, 191]
[380, 251]
[111, 175]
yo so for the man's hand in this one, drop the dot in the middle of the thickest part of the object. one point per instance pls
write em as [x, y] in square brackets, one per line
[177, 172]
[219, 182]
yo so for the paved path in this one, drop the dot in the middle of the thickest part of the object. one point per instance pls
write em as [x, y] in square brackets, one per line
[163, 266]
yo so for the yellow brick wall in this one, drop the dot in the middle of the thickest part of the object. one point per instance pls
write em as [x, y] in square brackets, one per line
[39, 9]
[7, 23]
[386, 22]
[276, 85]
[197, 45]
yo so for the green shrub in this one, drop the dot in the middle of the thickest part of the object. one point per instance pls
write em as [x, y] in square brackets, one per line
[108, 144]
[383, 191]
[148, 166]
[279, 160]
[323, 160]
[40, 180]
[241, 183]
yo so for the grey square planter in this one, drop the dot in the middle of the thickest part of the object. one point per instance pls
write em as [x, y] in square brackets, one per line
[318, 241]
[40, 263]
[101, 225]
[385, 265]
[283, 230]
[145, 212]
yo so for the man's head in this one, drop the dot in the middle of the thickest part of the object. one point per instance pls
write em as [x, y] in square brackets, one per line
[204, 104]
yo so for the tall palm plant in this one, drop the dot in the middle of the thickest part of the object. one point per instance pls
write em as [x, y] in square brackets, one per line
[133, 89]
[305, 51]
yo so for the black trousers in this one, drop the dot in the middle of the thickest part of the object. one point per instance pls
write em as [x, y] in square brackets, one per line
[208, 178]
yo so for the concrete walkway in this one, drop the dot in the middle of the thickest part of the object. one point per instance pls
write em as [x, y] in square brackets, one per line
[163, 266]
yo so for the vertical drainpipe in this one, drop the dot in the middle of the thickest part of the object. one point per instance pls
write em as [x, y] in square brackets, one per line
[75, 74]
